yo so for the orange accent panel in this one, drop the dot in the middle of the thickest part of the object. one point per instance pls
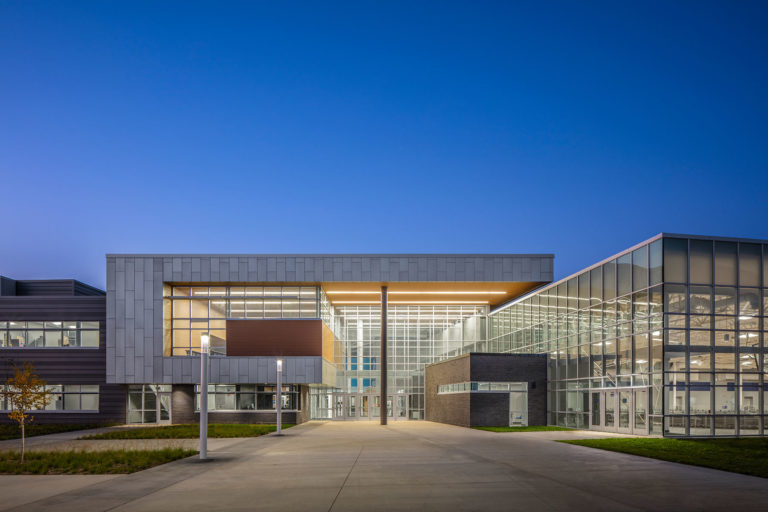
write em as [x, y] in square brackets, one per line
[331, 345]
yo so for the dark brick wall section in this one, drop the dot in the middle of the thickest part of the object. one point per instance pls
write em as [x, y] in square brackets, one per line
[450, 408]
[303, 414]
[530, 368]
[183, 404]
[489, 409]
[486, 409]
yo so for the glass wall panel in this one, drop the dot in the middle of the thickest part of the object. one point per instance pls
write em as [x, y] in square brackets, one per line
[749, 265]
[624, 272]
[701, 261]
[640, 268]
[725, 263]
[675, 260]
[655, 262]
[609, 280]
[596, 282]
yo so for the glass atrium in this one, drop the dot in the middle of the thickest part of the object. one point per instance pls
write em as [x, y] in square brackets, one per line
[665, 338]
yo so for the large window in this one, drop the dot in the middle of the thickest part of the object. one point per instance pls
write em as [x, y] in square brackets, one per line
[249, 397]
[418, 335]
[67, 397]
[61, 334]
[194, 310]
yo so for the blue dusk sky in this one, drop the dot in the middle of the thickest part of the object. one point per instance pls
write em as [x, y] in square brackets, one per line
[576, 128]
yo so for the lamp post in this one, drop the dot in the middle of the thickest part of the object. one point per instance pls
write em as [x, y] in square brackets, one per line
[204, 346]
[279, 395]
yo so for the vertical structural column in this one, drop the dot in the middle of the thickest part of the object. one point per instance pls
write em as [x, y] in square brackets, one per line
[383, 357]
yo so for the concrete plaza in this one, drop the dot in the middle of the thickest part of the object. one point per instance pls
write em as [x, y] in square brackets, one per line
[404, 466]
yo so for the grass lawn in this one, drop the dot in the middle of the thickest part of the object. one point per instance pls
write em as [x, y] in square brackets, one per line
[189, 431]
[746, 455]
[88, 463]
[534, 428]
[13, 431]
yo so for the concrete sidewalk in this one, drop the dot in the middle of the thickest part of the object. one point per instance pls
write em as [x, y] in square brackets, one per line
[409, 466]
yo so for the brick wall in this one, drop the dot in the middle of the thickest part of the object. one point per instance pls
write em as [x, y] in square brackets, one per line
[485, 409]
[450, 408]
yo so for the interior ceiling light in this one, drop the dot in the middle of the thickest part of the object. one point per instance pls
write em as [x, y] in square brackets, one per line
[446, 293]
[436, 302]
[358, 292]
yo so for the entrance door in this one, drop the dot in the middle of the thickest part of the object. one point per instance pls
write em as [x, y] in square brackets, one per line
[375, 407]
[596, 414]
[609, 405]
[338, 406]
[640, 418]
[351, 410]
[625, 411]
[401, 407]
[518, 409]
[149, 404]
[164, 407]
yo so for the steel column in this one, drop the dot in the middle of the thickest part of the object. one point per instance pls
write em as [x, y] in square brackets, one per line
[383, 357]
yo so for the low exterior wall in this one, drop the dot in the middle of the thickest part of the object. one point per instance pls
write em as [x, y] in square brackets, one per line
[470, 409]
[530, 368]
[450, 408]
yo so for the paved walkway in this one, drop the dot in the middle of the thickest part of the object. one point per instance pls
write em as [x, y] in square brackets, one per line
[406, 466]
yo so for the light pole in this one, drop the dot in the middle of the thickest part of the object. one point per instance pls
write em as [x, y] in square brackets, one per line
[204, 345]
[279, 395]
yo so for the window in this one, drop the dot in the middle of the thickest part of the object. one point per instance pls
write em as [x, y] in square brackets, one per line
[249, 397]
[205, 309]
[59, 334]
[488, 387]
[68, 397]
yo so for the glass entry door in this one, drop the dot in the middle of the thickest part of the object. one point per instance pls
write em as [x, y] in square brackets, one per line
[518, 409]
[375, 408]
[640, 417]
[401, 407]
[357, 406]
[351, 407]
[321, 406]
[149, 404]
[620, 410]
[609, 405]
[596, 413]
[625, 411]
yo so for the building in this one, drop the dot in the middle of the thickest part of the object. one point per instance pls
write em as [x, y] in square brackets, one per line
[320, 314]
[59, 326]
[665, 338]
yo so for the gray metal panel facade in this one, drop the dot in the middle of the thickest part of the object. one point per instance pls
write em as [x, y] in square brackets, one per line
[135, 300]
